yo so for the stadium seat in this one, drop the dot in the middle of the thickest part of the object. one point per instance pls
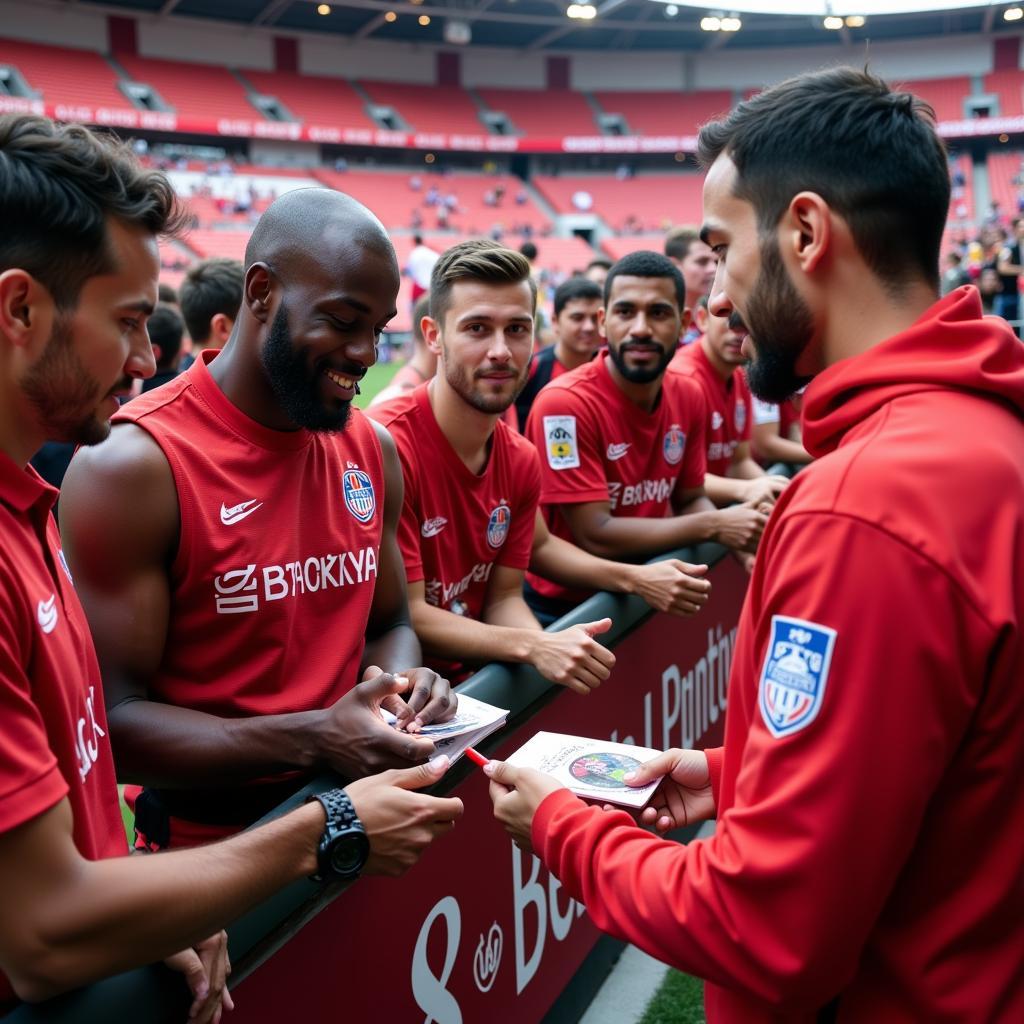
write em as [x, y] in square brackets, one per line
[64, 75]
[665, 113]
[317, 99]
[549, 114]
[429, 108]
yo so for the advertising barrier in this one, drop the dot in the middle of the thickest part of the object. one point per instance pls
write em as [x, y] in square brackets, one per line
[129, 118]
[477, 930]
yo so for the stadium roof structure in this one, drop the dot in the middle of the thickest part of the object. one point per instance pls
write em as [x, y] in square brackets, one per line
[546, 26]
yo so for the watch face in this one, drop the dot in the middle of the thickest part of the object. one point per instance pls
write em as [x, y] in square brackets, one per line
[348, 854]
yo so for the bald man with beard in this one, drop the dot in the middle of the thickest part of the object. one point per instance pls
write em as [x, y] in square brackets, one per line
[233, 543]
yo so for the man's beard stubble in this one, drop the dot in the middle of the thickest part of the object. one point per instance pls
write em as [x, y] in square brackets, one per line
[780, 326]
[63, 392]
[638, 375]
[459, 381]
[295, 385]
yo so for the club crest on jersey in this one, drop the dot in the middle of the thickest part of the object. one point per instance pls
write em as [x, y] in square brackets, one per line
[794, 674]
[716, 420]
[357, 489]
[498, 524]
[560, 442]
[740, 416]
[675, 445]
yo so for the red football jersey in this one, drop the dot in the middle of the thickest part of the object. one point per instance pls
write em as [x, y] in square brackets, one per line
[54, 742]
[596, 445]
[730, 406]
[277, 558]
[456, 526]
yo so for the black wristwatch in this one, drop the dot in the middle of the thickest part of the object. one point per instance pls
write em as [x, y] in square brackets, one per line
[344, 846]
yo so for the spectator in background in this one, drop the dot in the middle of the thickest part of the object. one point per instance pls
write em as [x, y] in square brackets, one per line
[209, 297]
[696, 262]
[597, 270]
[577, 309]
[954, 275]
[167, 296]
[422, 363]
[418, 267]
[1010, 266]
[166, 329]
[622, 444]
[715, 362]
[991, 289]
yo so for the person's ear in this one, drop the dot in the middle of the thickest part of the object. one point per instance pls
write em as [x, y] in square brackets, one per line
[431, 334]
[27, 310]
[259, 291]
[600, 324]
[157, 352]
[220, 328]
[806, 230]
[701, 320]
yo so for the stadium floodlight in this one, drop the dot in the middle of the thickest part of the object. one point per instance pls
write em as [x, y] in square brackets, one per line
[581, 12]
[671, 11]
[833, 8]
[1013, 14]
[324, 9]
[832, 23]
[855, 21]
[391, 17]
[732, 23]
[424, 20]
[711, 23]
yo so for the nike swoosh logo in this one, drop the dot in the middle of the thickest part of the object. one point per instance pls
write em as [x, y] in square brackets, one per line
[46, 613]
[617, 451]
[235, 514]
[432, 527]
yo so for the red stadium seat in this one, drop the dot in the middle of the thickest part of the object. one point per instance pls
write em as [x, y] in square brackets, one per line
[64, 75]
[548, 114]
[194, 90]
[665, 113]
[430, 108]
[945, 95]
[1009, 87]
[317, 99]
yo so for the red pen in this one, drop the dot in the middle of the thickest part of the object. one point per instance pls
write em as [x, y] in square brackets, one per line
[476, 757]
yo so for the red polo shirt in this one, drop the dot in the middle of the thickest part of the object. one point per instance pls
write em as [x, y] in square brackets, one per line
[54, 742]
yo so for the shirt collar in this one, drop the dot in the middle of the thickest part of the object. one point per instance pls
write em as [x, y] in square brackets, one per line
[22, 487]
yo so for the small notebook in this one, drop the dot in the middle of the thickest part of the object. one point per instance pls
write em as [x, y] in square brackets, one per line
[590, 768]
[474, 720]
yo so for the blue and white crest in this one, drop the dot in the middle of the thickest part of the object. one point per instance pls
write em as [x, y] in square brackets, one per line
[675, 445]
[740, 416]
[357, 488]
[794, 675]
[498, 524]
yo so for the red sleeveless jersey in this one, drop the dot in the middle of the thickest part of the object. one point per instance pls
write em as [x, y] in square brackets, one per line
[277, 557]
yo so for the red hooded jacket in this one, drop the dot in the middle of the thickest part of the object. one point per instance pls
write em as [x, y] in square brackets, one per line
[869, 851]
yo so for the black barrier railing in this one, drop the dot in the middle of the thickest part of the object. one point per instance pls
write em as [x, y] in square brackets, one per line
[153, 995]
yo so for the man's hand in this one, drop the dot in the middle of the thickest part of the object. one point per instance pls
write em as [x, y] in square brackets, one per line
[740, 527]
[206, 967]
[353, 737]
[516, 794]
[684, 795]
[399, 822]
[672, 586]
[572, 657]
[431, 699]
[764, 488]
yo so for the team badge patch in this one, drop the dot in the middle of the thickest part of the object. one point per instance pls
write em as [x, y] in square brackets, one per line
[675, 445]
[716, 420]
[357, 489]
[740, 416]
[794, 675]
[498, 524]
[560, 442]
